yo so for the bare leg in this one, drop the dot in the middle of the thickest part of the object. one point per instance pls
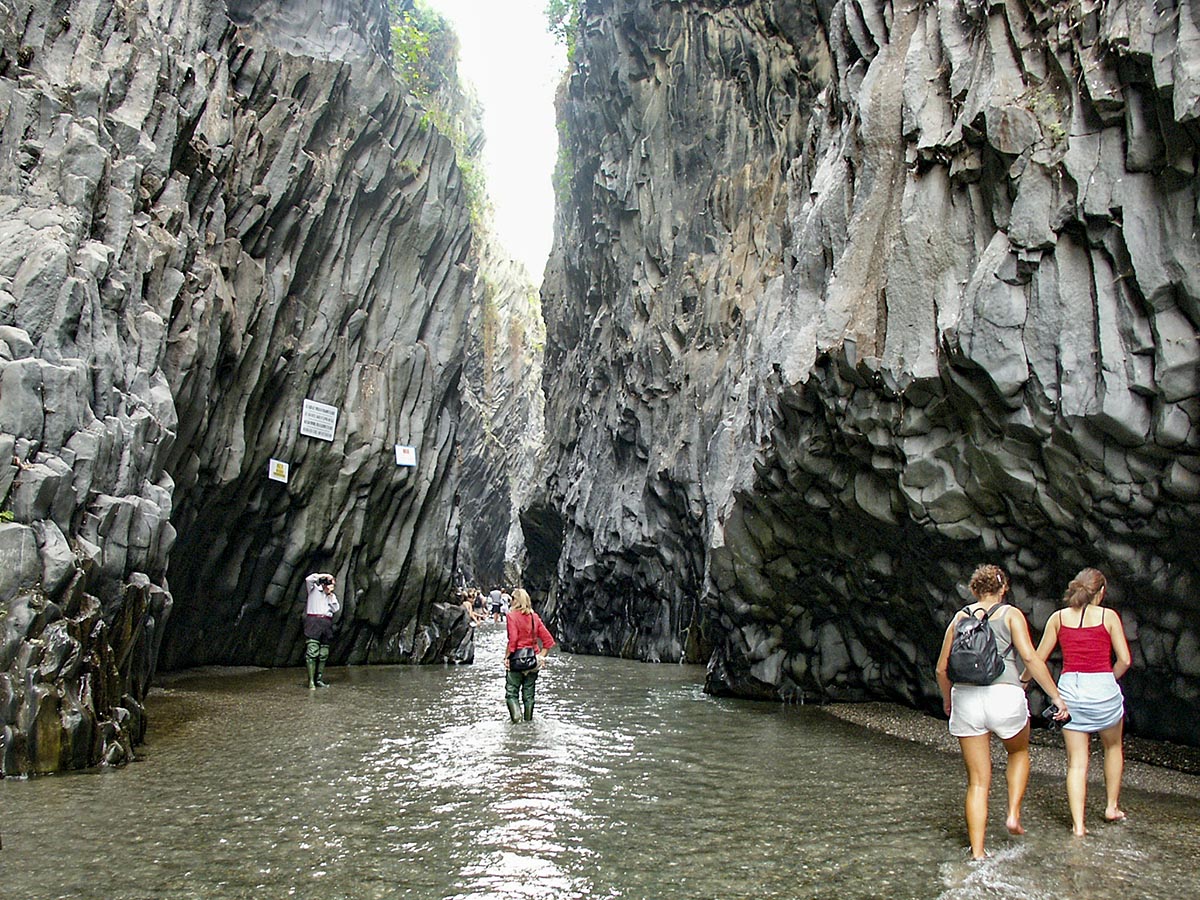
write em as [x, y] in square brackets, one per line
[1114, 768]
[1078, 746]
[977, 755]
[1017, 773]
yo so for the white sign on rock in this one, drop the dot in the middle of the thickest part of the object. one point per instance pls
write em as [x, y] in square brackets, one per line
[318, 420]
[277, 470]
[406, 456]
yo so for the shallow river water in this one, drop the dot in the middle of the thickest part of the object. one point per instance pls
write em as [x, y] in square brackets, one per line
[630, 783]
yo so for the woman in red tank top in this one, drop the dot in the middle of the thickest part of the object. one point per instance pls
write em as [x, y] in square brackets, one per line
[1089, 636]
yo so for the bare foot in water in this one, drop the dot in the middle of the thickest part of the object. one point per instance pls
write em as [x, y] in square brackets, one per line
[1013, 824]
[1114, 815]
[1079, 832]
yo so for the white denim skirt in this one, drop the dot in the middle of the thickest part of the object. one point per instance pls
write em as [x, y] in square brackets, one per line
[1094, 700]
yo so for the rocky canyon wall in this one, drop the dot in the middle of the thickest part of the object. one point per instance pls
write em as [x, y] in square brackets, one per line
[820, 353]
[501, 432]
[679, 124]
[210, 214]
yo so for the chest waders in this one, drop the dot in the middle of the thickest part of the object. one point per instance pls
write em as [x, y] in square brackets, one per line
[522, 685]
[315, 654]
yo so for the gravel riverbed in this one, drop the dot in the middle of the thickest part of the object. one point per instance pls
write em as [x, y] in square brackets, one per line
[1149, 765]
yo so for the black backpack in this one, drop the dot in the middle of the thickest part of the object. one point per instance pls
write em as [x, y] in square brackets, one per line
[974, 658]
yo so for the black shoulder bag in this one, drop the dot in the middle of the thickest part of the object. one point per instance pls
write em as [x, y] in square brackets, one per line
[525, 659]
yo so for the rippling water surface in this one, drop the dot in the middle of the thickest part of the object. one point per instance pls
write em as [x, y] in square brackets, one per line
[631, 783]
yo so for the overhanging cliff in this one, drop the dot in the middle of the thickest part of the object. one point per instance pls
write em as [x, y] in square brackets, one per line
[817, 353]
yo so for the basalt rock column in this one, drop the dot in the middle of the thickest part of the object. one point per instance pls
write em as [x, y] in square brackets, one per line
[501, 434]
[975, 339]
[679, 122]
[349, 249]
[993, 319]
[210, 215]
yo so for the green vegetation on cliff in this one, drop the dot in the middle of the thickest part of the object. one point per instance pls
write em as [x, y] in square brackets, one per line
[425, 58]
[562, 18]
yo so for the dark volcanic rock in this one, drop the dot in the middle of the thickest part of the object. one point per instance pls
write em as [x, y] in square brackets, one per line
[207, 216]
[803, 377]
[501, 431]
[681, 121]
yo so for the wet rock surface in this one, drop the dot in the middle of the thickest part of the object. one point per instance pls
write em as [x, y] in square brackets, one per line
[209, 214]
[679, 122]
[819, 353]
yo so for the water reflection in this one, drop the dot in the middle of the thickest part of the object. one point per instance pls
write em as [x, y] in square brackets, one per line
[631, 783]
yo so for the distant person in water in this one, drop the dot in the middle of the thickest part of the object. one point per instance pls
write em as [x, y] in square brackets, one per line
[319, 611]
[495, 599]
[469, 603]
[525, 630]
[1090, 635]
[978, 711]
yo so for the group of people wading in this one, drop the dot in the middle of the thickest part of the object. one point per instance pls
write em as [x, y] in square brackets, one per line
[1088, 699]
[529, 642]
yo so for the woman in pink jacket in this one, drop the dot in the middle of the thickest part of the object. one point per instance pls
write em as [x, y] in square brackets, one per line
[526, 632]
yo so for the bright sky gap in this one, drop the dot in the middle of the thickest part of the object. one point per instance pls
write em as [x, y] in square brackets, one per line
[514, 65]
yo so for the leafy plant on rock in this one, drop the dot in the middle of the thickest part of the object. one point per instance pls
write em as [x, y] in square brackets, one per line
[425, 57]
[562, 17]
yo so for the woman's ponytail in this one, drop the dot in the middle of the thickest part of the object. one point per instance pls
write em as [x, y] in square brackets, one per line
[1084, 588]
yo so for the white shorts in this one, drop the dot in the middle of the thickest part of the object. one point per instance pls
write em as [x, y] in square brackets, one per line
[977, 709]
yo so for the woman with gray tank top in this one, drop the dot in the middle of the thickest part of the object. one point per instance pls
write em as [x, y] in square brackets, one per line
[977, 711]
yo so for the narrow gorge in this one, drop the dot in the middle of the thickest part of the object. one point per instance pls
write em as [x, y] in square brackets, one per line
[845, 298]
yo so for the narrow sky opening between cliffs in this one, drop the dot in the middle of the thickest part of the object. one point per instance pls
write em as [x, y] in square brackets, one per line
[514, 65]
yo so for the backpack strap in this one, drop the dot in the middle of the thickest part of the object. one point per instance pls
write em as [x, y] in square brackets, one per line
[987, 613]
[1005, 651]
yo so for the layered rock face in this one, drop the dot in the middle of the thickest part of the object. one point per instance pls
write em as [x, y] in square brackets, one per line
[501, 428]
[211, 215]
[502, 432]
[680, 123]
[953, 322]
